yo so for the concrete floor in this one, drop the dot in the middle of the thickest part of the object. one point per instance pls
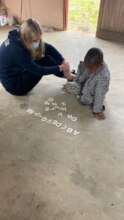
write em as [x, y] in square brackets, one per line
[47, 174]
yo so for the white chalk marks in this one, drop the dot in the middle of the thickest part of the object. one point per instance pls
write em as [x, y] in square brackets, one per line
[51, 105]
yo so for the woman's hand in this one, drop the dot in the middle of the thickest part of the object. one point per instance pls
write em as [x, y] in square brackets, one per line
[65, 68]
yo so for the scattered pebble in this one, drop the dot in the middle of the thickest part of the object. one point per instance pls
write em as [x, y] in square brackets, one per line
[60, 114]
[63, 104]
[64, 109]
[72, 118]
[37, 114]
[64, 127]
[30, 111]
[78, 97]
[43, 119]
[54, 103]
[69, 130]
[50, 99]
[47, 109]
[49, 121]
[46, 103]
[76, 133]
[52, 109]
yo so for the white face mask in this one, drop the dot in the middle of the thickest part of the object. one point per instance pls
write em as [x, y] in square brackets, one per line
[35, 45]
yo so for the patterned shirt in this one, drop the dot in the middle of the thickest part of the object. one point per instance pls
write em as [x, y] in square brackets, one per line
[93, 86]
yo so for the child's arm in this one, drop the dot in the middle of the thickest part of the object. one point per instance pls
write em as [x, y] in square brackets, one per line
[82, 74]
[100, 92]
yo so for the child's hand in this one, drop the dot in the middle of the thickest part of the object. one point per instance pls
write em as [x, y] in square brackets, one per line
[71, 77]
[99, 115]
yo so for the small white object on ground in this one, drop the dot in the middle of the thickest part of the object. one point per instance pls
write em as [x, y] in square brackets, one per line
[50, 99]
[46, 103]
[70, 130]
[49, 121]
[76, 133]
[63, 104]
[47, 109]
[60, 114]
[64, 127]
[54, 104]
[52, 109]
[72, 118]
[78, 97]
[30, 111]
[64, 109]
[54, 122]
[57, 107]
[58, 124]
[37, 114]
[44, 119]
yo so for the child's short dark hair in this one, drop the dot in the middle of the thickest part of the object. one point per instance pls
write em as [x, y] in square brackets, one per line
[94, 57]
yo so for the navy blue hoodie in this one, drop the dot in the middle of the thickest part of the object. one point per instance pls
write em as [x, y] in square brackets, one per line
[15, 58]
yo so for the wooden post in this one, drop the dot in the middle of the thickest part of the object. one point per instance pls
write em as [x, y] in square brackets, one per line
[65, 14]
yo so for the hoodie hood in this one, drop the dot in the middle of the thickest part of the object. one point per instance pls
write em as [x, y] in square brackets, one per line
[14, 35]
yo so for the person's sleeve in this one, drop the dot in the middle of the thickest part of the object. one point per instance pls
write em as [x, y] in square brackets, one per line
[81, 73]
[100, 92]
[26, 63]
[53, 52]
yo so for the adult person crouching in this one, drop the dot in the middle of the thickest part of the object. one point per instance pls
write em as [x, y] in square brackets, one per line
[25, 59]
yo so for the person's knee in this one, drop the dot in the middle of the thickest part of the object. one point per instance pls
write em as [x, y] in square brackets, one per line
[60, 75]
[17, 93]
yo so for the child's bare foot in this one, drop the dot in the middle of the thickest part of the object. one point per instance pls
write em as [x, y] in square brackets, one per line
[99, 115]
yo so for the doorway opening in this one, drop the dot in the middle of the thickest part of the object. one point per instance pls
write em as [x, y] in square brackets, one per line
[83, 15]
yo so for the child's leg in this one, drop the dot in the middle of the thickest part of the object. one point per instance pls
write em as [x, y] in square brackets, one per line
[86, 98]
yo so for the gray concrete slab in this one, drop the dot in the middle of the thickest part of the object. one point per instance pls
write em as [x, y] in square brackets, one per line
[47, 174]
